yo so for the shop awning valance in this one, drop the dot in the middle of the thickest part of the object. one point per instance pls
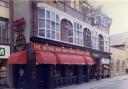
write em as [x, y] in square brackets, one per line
[70, 59]
[18, 58]
[88, 60]
[45, 58]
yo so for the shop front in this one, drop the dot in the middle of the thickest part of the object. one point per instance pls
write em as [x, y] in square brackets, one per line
[101, 67]
[49, 67]
[105, 67]
[4, 54]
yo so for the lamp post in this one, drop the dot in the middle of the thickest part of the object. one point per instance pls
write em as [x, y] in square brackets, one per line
[83, 6]
[86, 8]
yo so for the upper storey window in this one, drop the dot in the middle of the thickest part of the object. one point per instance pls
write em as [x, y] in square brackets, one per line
[101, 42]
[87, 37]
[48, 24]
[4, 32]
[78, 34]
[66, 31]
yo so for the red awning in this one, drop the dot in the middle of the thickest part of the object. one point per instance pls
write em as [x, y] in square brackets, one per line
[18, 58]
[70, 59]
[89, 60]
[45, 58]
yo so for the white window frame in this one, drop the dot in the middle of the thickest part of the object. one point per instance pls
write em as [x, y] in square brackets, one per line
[55, 21]
[79, 30]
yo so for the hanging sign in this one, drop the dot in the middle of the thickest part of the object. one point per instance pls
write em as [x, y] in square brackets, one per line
[18, 25]
[20, 42]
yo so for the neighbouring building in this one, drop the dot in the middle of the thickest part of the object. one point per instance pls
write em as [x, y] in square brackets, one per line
[119, 49]
[118, 65]
[4, 42]
[57, 43]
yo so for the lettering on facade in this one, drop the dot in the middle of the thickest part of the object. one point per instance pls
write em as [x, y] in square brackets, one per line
[2, 51]
[18, 25]
[49, 48]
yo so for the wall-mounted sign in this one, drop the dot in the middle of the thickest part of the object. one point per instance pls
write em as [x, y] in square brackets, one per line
[18, 25]
[20, 42]
[4, 51]
[95, 55]
[19, 21]
[105, 61]
[49, 48]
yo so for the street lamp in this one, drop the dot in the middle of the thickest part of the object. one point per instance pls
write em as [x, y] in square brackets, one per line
[84, 7]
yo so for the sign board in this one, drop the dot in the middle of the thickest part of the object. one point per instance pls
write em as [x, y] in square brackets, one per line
[20, 42]
[4, 51]
[50, 48]
[105, 61]
[18, 25]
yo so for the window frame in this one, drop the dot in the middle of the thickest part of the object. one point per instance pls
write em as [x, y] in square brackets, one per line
[56, 22]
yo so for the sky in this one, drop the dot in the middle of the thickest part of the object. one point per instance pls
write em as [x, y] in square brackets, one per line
[118, 11]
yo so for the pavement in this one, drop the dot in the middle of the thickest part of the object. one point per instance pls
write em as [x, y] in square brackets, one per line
[96, 83]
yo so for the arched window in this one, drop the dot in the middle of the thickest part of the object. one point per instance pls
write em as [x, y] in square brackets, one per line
[123, 65]
[101, 42]
[66, 31]
[87, 37]
[118, 65]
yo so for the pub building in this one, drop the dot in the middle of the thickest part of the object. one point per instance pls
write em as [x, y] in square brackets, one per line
[54, 48]
[4, 43]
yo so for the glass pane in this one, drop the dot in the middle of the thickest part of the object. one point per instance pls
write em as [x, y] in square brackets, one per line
[57, 27]
[42, 32]
[53, 34]
[48, 33]
[53, 25]
[3, 74]
[41, 13]
[70, 32]
[52, 16]
[57, 18]
[57, 35]
[42, 23]
[77, 33]
[74, 25]
[70, 26]
[3, 81]
[80, 35]
[48, 24]
[71, 39]
[80, 27]
[48, 14]
[77, 26]
[75, 40]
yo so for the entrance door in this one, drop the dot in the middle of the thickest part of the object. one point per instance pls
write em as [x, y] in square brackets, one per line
[19, 76]
[3, 75]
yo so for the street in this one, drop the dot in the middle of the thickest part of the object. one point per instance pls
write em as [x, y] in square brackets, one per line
[119, 82]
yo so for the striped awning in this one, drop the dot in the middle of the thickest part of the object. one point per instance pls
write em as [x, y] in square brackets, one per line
[18, 58]
[45, 58]
[69, 59]
[89, 60]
